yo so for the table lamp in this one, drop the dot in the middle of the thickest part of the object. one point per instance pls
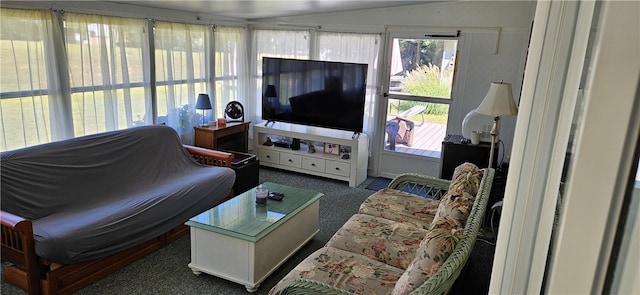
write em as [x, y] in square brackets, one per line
[203, 104]
[270, 93]
[498, 102]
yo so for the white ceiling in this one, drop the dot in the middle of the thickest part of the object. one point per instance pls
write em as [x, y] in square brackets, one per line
[256, 9]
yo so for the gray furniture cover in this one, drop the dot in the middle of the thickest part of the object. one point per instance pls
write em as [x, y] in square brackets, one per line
[93, 196]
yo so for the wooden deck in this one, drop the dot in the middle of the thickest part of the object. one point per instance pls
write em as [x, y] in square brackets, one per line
[427, 141]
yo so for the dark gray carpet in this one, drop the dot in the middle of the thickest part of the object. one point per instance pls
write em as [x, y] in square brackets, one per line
[165, 271]
[378, 183]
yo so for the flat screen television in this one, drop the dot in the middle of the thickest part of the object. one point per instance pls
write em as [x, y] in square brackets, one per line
[316, 93]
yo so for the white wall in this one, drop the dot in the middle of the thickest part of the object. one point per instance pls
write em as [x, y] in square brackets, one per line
[483, 23]
[481, 67]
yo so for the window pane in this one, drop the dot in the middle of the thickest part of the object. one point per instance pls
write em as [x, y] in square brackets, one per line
[422, 75]
[24, 99]
[423, 67]
[273, 43]
[181, 117]
[23, 63]
[128, 108]
[416, 127]
[107, 70]
[181, 72]
[356, 48]
[230, 64]
[24, 121]
[101, 50]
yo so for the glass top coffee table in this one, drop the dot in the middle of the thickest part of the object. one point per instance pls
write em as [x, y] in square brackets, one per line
[245, 242]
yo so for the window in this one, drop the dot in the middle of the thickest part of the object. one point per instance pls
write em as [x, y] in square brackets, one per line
[93, 74]
[79, 74]
[181, 74]
[30, 100]
[230, 67]
[274, 43]
[420, 85]
[108, 69]
[90, 79]
[356, 48]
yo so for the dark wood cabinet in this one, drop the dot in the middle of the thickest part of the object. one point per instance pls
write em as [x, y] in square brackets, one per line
[455, 151]
[247, 168]
[231, 137]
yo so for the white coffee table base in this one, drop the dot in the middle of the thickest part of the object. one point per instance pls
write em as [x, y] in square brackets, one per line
[249, 263]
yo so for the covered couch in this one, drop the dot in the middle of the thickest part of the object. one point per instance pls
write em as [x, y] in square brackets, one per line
[413, 237]
[76, 202]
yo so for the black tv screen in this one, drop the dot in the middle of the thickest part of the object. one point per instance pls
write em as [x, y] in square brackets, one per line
[316, 93]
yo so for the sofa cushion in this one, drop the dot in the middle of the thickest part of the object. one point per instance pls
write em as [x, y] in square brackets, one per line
[400, 206]
[84, 233]
[344, 270]
[433, 251]
[455, 207]
[466, 178]
[387, 241]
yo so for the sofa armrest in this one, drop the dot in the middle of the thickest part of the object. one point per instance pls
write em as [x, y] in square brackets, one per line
[444, 278]
[304, 286]
[210, 157]
[17, 247]
[421, 185]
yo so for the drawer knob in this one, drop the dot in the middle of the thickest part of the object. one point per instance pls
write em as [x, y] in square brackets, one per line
[290, 160]
[268, 157]
[337, 168]
[313, 164]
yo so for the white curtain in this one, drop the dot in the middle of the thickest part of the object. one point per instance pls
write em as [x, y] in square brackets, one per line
[181, 74]
[32, 102]
[355, 48]
[108, 69]
[274, 43]
[231, 69]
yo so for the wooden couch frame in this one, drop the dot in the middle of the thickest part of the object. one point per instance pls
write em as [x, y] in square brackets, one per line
[37, 275]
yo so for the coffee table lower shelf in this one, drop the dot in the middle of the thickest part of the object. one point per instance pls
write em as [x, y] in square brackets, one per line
[250, 262]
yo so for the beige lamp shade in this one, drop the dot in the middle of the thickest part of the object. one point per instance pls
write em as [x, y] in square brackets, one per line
[498, 101]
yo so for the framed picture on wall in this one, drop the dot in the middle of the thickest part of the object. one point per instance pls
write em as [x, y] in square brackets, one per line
[331, 148]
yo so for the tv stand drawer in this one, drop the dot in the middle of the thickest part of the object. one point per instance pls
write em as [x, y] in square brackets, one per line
[338, 168]
[314, 164]
[269, 156]
[291, 160]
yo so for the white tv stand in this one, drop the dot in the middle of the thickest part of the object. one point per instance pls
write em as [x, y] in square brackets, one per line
[352, 168]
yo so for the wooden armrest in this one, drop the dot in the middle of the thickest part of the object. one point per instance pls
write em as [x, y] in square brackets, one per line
[210, 157]
[17, 247]
[13, 221]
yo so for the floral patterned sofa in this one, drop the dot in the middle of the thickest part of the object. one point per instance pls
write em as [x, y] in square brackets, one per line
[412, 237]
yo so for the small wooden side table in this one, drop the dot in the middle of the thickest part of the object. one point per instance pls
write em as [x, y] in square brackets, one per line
[231, 137]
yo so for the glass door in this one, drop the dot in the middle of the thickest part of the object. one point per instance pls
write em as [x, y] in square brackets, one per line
[417, 97]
